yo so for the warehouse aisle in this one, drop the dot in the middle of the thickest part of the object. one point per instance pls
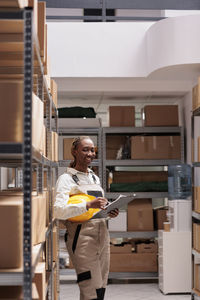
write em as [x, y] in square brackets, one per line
[134, 291]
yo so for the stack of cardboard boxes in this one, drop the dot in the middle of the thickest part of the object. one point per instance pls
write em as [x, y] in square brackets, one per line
[140, 215]
[145, 147]
[11, 131]
[196, 195]
[141, 259]
[196, 241]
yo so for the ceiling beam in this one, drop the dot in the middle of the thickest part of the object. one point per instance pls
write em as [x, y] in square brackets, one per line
[127, 4]
[95, 4]
[154, 4]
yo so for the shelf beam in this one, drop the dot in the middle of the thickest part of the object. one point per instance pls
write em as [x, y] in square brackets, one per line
[196, 215]
[140, 130]
[65, 163]
[142, 162]
[126, 4]
[121, 276]
[138, 195]
[134, 234]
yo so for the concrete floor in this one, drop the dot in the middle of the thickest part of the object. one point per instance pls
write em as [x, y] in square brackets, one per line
[148, 291]
[121, 291]
[118, 289]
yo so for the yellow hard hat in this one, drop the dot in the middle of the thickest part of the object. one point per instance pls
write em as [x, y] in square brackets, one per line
[75, 199]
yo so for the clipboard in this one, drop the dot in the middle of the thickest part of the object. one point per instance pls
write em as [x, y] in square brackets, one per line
[117, 203]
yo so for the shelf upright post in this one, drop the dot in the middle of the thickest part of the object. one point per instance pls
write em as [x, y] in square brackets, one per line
[27, 153]
[103, 3]
[50, 237]
[104, 158]
[100, 152]
[182, 145]
[40, 178]
[49, 185]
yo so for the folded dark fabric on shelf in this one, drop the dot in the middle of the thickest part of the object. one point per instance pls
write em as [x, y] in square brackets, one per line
[76, 112]
[151, 186]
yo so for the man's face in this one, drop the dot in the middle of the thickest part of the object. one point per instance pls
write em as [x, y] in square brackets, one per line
[85, 152]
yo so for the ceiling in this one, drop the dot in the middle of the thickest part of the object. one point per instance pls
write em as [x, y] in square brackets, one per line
[166, 84]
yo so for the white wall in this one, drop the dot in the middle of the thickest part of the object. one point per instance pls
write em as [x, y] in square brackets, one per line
[173, 41]
[187, 109]
[122, 49]
[97, 49]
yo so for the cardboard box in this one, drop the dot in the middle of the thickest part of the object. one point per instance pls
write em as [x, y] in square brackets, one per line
[121, 116]
[14, 3]
[55, 244]
[47, 67]
[34, 180]
[11, 232]
[196, 95]
[34, 5]
[38, 129]
[41, 27]
[11, 27]
[161, 115]
[14, 192]
[133, 262]
[140, 215]
[38, 219]
[54, 92]
[196, 199]
[67, 144]
[56, 284]
[13, 89]
[47, 197]
[38, 211]
[44, 138]
[53, 147]
[194, 242]
[155, 147]
[113, 145]
[48, 81]
[198, 149]
[197, 277]
[10, 90]
[55, 136]
[196, 236]
[127, 248]
[147, 248]
[119, 223]
[160, 216]
[40, 280]
[139, 176]
[16, 292]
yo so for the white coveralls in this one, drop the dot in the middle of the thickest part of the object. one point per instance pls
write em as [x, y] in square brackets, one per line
[87, 242]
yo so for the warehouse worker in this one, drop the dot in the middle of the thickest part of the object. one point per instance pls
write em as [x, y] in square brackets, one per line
[88, 242]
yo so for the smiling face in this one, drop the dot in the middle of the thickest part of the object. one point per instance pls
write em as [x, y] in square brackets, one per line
[84, 153]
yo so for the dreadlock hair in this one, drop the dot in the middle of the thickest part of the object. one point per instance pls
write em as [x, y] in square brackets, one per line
[74, 146]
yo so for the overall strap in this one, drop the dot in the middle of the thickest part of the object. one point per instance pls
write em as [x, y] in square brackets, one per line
[94, 178]
[75, 178]
[77, 181]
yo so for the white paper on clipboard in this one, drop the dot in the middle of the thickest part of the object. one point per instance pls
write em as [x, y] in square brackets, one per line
[117, 203]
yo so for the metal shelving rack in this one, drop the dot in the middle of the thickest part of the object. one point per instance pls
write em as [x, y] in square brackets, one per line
[24, 156]
[130, 162]
[131, 131]
[195, 215]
